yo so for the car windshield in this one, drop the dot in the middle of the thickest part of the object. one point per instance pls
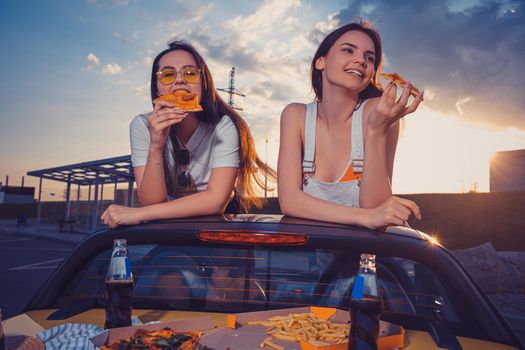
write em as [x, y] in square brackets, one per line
[247, 278]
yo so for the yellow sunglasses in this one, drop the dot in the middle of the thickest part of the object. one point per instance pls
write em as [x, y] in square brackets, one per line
[167, 76]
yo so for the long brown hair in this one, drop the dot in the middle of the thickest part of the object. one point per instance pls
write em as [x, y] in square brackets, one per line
[374, 87]
[252, 170]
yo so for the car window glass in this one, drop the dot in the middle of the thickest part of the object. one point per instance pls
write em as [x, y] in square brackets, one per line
[240, 279]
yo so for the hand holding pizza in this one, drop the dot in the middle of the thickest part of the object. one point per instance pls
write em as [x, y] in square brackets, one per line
[390, 109]
[182, 99]
[164, 115]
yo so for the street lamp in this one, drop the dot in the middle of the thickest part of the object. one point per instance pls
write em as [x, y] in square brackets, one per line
[266, 173]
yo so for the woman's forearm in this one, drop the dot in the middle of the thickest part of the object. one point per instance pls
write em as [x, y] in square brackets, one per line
[197, 204]
[152, 187]
[375, 185]
[299, 204]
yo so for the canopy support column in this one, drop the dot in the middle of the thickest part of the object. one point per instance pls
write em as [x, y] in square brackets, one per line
[39, 207]
[78, 201]
[94, 218]
[68, 197]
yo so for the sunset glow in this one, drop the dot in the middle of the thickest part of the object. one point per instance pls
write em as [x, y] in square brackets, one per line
[71, 88]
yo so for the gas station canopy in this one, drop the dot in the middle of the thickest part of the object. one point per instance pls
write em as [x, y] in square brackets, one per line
[103, 171]
[98, 173]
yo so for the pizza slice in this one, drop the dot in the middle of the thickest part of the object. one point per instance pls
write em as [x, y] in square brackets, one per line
[397, 79]
[184, 100]
[161, 340]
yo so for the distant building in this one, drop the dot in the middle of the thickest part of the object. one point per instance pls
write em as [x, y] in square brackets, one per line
[17, 194]
[507, 171]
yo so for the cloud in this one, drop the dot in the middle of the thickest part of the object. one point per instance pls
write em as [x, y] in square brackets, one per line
[474, 53]
[252, 42]
[328, 25]
[142, 91]
[273, 90]
[121, 3]
[147, 61]
[263, 21]
[264, 103]
[197, 13]
[316, 35]
[269, 79]
[189, 14]
[121, 38]
[92, 60]
[461, 102]
[106, 69]
[111, 69]
[224, 50]
[267, 57]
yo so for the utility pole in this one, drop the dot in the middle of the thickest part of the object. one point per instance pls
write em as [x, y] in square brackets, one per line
[231, 90]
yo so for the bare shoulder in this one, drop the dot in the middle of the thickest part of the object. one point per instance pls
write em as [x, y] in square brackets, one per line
[294, 109]
[293, 114]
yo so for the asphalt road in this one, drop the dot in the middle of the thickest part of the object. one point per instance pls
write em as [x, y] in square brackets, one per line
[25, 263]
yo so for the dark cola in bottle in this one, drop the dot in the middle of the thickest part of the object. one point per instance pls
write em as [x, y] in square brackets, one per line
[2, 335]
[119, 287]
[365, 306]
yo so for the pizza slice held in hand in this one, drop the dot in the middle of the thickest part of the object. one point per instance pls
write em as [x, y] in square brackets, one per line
[398, 80]
[184, 100]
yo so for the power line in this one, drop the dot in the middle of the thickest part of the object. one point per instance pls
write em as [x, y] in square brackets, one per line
[231, 90]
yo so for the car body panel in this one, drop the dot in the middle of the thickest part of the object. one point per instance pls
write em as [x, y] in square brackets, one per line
[477, 315]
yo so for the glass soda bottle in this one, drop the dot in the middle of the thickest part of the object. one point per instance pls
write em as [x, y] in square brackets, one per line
[365, 306]
[119, 287]
[2, 335]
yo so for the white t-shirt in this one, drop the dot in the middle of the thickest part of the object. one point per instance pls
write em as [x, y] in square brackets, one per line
[210, 147]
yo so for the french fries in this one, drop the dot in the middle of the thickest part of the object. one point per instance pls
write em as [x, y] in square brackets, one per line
[268, 342]
[307, 327]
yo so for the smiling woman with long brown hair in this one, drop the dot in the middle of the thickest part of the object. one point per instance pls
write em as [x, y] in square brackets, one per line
[336, 154]
[189, 163]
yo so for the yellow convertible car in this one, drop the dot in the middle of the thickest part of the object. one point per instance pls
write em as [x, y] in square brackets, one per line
[216, 266]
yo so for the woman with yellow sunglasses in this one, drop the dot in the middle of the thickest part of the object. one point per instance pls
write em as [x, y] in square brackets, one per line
[188, 163]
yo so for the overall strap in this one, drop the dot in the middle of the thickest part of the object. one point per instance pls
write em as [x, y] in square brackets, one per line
[309, 138]
[358, 152]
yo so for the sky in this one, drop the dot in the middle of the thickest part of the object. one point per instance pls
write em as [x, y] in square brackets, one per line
[75, 73]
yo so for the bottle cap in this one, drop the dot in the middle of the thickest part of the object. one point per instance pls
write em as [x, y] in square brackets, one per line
[368, 260]
[368, 256]
[120, 243]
